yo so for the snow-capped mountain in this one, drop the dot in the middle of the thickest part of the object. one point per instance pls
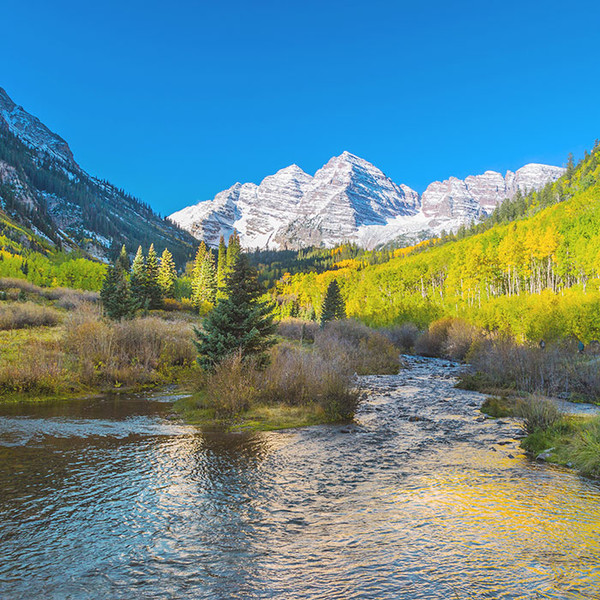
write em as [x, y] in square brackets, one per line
[43, 188]
[349, 199]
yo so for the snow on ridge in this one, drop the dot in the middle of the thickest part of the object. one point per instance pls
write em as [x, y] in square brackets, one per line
[349, 199]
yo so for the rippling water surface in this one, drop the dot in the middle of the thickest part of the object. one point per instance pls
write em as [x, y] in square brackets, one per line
[112, 499]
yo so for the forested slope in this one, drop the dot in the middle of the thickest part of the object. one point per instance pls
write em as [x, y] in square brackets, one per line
[537, 276]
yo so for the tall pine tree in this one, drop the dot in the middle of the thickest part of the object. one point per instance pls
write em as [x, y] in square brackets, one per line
[167, 274]
[333, 306]
[115, 293]
[221, 268]
[204, 284]
[153, 289]
[241, 322]
[138, 280]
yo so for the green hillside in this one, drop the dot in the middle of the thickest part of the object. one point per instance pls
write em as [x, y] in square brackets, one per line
[537, 276]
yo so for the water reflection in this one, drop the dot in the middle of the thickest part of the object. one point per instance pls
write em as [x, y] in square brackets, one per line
[117, 501]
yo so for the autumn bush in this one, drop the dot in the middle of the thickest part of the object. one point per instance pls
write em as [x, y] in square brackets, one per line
[43, 372]
[404, 336]
[295, 376]
[298, 330]
[129, 352]
[365, 351]
[27, 314]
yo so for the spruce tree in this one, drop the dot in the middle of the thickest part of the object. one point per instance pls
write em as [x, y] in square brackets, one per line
[115, 293]
[221, 268]
[167, 274]
[241, 322]
[153, 289]
[333, 306]
[138, 280]
[233, 251]
[204, 285]
[122, 261]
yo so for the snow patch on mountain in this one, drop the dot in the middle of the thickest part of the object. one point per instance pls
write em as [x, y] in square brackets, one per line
[351, 200]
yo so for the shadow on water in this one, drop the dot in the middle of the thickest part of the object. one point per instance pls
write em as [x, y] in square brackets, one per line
[110, 498]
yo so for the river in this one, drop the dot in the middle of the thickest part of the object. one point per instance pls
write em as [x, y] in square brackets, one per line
[421, 498]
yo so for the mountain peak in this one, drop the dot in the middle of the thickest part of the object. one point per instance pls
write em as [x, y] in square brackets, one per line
[32, 132]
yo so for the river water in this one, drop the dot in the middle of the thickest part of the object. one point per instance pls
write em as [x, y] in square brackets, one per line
[420, 498]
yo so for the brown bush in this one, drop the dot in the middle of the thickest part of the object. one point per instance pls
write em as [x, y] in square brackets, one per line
[232, 387]
[556, 370]
[357, 347]
[459, 339]
[298, 330]
[295, 376]
[403, 337]
[130, 352]
[432, 342]
[41, 371]
[70, 299]
[27, 314]
[13, 283]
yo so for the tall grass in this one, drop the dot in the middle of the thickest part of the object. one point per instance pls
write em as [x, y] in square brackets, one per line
[27, 314]
[556, 370]
[359, 348]
[129, 352]
[538, 413]
[295, 376]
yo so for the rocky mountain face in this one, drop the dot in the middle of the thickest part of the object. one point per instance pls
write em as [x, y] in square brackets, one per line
[43, 188]
[349, 199]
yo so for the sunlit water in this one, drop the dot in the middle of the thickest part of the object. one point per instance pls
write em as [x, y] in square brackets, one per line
[113, 499]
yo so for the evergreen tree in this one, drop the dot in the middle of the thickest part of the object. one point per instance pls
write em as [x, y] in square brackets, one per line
[241, 322]
[333, 306]
[138, 280]
[167, 274]
[153, 289]
[115, 293]
[221, 268]
[234, 249]
[122, 261]
[204, 284]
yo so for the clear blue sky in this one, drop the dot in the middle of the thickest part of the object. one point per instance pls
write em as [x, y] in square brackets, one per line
[174, 101]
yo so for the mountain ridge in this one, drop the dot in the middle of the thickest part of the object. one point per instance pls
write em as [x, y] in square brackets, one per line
[350, 200]
[43, 188]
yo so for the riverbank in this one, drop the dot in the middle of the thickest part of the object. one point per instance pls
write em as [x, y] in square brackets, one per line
[553, 435]
[310, 378]
[121, 495]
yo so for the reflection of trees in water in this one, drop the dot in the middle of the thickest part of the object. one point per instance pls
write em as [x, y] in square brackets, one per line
[231, 506]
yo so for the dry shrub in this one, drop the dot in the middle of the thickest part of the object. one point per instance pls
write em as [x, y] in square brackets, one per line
[447, 338]
[295, 376]
[403, 337]
[556, 370]
[459, 339]
[27, 314]
[70, 299]
[135, 351]
[538, 413]
[14, 283]
[41, 371]
[233, 386]
[298, 330]
[357, 347]
[432, 342]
